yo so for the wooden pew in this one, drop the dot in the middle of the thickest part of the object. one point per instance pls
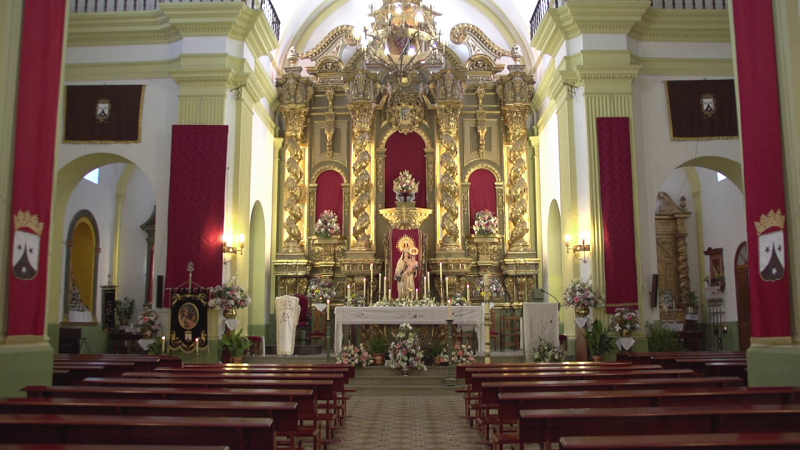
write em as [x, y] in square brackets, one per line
[337, 378]
[669, 361]
[462, 368]
[726, 369]
[511, 403]
[142, 362]
[236, 432]
[109, 368]
[284, 414]
[699, 364]
[61, 377]
[646, 357]
[718, 441]
[550, 425]
[351, 368]
[109, 447]
[479, 378]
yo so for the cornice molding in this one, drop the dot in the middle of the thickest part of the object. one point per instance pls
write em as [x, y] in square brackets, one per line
[683, 25]
[138, 70]
[231, 19]
[120, 28]
[684, 66]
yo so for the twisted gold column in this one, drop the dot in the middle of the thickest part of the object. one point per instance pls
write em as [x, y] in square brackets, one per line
[362, 113]
[294, 184]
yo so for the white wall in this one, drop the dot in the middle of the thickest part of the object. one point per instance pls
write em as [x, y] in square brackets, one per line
[136, 209]
[550, 188]
[262, 163]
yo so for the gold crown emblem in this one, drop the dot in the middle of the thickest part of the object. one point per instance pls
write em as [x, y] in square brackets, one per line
[405, 243]
[773, 219]
[28, 220]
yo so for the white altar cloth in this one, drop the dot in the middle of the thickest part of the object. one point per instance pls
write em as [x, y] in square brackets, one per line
[466, 317]
[539, 321]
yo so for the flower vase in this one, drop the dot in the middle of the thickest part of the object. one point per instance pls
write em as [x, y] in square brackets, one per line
[597, 358]
[626, 333]
[405, 371]
[229, 313]
[380, 359]
[581, 310]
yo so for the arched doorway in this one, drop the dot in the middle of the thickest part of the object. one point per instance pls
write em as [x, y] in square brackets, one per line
[743, 295]
[80, 277]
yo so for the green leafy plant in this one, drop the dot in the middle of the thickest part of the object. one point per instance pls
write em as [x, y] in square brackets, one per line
[378, 345]
[691, 299]
[597, 339]
[154, 348]
[235, 343]
[124, 310]
[436, 349]
[662, 339]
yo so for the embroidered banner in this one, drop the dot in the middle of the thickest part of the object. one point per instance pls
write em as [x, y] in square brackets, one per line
[104, 114]
[35, 139]
[702, 109]
[762, 153]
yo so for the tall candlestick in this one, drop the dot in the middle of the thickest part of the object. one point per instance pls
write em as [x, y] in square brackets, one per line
[328, 310]
[390, 294]
[429, 282]
[447, 287]
[163, 342]
[424, 287]
[385, 287]
[370, 280]
[449, 310]
[467, 294]
[441, 279]
[365, 288]
[348, 292]
[416, 293]
[380, 275]
[196, 346]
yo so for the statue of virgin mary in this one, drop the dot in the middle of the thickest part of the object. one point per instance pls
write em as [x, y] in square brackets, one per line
[405, 271]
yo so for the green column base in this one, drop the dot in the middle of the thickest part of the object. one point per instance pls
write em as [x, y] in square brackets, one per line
[773, 366]
[25, 365]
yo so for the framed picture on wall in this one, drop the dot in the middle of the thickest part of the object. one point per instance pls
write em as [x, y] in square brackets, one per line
[716, 269]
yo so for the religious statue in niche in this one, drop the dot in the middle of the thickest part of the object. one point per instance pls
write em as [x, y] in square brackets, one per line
[716, 275]
[405, 271]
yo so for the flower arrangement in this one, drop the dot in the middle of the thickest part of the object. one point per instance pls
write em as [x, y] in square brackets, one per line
[458, 300]
[495, 288]
[666, 299]
[625, 319]
[461, 354]
[320, 289]
[358, 356]
[124, 310]
[356, 300]
[547, 352]
[328, 224]
[228, 296]
[149, 323]
[404, 351]
[582, 294]
[485, 223]
[405, 183]
[406, 302]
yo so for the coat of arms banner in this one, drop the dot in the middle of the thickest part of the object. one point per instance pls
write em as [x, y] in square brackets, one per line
[702, 109]
[104, 114]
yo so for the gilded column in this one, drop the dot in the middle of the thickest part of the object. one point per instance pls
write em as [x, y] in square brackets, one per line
[448, 90]
[362, 89]
[295, 95]
[516, 92]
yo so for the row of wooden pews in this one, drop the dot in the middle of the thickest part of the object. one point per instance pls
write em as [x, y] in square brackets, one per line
[634, 403]
[152, 400]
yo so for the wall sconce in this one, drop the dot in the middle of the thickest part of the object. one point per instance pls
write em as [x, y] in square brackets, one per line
[583, 247]
[228, 245]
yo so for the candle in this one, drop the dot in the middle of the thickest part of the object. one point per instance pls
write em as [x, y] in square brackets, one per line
[365, 288]
[385, 286]
[428, 287]
[390, 294]
[348, 292]
[380, 274]
[424, 287]
[447, 287]
[163, 342]
[328, 310]
[441, 280]
[196, 346]
[467, 294]
[416, 294]
[449, 309]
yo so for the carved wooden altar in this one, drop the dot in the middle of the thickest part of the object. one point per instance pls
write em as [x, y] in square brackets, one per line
[672, 253]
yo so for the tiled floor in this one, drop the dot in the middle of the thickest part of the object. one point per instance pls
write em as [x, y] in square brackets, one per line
[406, 423]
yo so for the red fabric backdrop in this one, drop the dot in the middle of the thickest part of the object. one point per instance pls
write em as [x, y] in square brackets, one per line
[37, 111]
[416, 235]
[616, 197]
[763, 157]
[329, 194]
[481, 194]
[196, 204]
[405, 152]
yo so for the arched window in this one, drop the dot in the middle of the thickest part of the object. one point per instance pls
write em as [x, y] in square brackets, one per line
[405, 152]
[481, 194]
[80, 278]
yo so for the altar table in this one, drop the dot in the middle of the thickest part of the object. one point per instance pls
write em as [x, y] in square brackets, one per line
[466, 317]
[539, 321]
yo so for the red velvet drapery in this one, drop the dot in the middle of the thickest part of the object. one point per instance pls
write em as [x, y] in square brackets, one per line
[405, 152]
[37, 110]
[395, 236]
[616, 197]
[196, 204]
[330, 195]
[481, 194]
[762, 152]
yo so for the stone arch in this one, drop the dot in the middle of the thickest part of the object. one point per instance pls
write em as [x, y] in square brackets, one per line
[83, 241]
[728, 167]
[495, 171]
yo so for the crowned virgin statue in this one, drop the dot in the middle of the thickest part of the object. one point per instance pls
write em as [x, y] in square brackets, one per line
[405, 271]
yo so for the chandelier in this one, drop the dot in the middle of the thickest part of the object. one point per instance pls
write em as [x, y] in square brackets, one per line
[403, 37]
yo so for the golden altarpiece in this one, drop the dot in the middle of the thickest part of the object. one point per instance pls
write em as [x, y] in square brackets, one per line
[348, 118]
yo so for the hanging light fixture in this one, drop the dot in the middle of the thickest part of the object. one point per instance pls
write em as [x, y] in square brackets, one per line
[403, 37]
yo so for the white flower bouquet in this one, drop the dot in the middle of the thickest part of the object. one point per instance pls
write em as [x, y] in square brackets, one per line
[228, 296]
[405, 352]
[328, 224]
[485, 223]
[582, 294]
[149, 323]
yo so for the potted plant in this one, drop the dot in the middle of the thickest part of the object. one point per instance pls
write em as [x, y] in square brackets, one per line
[378, 346]
[625, 321]
[438, 353]
[692, 303]
[236, 344]
[598, 340]
[662, 339]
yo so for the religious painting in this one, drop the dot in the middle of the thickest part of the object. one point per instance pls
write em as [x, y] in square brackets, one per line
[716, 275]
[188, 315]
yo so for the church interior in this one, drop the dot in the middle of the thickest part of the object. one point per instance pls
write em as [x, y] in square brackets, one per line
[348, 224]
